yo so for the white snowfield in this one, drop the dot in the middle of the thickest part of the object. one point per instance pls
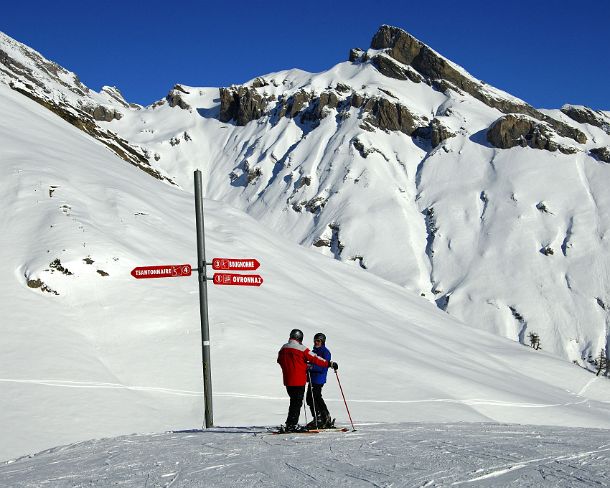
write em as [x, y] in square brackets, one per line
[381, 455]
[88, 352]
[111, 355]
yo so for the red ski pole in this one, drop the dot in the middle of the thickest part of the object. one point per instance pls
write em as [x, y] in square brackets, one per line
[348, 414]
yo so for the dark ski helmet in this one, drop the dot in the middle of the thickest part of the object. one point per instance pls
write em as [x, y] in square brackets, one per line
[320, 336]
[296, 334]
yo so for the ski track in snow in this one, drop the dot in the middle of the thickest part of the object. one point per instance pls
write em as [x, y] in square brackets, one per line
[381, 455]
[502, 470]
[171, 391]
[586, 387]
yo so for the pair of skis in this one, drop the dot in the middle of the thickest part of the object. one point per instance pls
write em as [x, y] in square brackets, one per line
[305, 430]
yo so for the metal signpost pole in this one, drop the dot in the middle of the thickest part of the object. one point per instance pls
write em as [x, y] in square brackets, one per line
[203, 303]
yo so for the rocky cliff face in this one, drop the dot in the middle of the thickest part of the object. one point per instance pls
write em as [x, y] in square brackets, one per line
[244, 104]
[241, 104]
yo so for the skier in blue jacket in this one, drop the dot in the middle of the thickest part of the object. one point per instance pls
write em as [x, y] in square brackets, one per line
[317, 378]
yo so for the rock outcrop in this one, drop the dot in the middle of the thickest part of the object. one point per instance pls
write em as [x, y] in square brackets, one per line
[292, 105]
[242, 104]
[585, 115]
[386, 115]
[103, 113]
[320, 106]
[602, 153]
[439, 132]
[520, 130]
[174, 98]
[356, 54]
[390, 68]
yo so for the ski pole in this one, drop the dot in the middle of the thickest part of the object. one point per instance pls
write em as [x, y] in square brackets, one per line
[313, 401]
[348, 414]
[305, 412]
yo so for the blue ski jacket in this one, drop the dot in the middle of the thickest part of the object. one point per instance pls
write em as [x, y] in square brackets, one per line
[318, 373]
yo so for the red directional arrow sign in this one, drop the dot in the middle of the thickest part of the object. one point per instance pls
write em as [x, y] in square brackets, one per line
[166, 271]
[233, 264]
[237, 279]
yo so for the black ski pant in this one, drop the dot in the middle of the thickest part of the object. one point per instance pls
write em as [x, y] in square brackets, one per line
[296, 402]
[316, 402]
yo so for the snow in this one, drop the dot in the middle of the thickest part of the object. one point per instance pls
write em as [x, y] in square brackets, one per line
[379, 203]
[112, 355]
[403, 454]
[108, 355]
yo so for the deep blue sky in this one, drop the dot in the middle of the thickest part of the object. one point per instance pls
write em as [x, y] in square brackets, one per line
[546, 52]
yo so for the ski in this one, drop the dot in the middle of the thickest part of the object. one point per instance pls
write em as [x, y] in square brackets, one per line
[305, 430]
[334, 429]
[300, 430]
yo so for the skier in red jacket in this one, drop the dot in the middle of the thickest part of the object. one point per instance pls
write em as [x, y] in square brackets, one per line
[293, 358]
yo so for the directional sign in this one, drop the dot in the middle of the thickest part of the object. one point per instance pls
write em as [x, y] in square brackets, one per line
[166, 271]
[233, 264]
[237, 279]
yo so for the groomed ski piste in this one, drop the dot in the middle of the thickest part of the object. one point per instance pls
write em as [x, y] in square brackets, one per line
[412, 454]
[88, 352]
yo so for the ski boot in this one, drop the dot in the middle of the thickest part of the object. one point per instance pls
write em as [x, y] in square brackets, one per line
[316, 423]
[326, 422]
[285, 429]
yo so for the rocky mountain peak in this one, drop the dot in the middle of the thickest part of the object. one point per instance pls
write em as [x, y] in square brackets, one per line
[441, 73]
[401, 45]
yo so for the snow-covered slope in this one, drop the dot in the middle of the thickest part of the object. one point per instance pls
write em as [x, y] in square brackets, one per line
[88, 351]
[410, 454]
[398, 176]
[386, 162]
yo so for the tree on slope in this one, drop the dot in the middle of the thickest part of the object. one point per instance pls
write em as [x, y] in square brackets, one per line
[602, 363]
[534, 340]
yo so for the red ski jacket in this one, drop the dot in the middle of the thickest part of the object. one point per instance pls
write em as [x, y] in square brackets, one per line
[293, 358]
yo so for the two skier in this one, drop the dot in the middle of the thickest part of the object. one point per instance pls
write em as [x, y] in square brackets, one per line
[295, 359]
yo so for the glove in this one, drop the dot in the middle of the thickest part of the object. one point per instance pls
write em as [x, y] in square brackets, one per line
[332, 364]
